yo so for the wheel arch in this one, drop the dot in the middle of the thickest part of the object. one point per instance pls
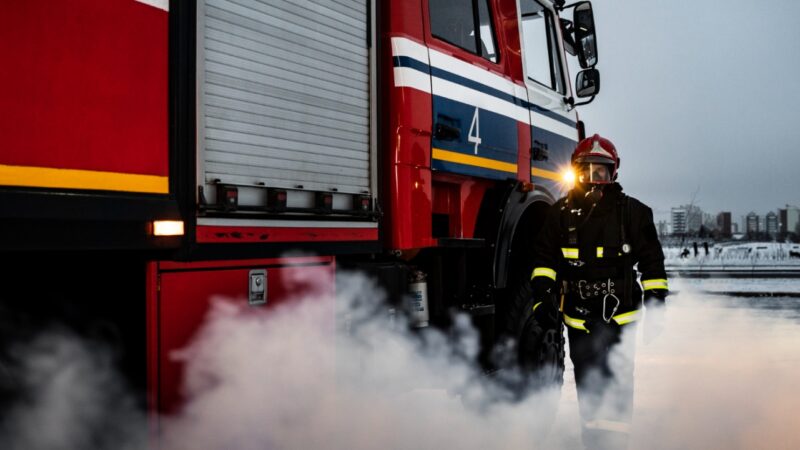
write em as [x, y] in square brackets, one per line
[521, 219]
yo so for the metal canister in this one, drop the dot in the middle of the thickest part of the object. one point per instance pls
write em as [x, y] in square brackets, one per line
[417, 303]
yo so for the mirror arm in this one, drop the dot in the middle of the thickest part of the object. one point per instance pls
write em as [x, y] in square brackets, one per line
[570, 101]
[575, 105]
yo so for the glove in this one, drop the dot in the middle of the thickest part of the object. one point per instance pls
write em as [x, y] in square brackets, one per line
[654, 314]
[544, 295]
[547, 313]
[607, 333]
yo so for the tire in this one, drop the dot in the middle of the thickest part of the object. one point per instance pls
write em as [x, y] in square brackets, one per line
[538, 349]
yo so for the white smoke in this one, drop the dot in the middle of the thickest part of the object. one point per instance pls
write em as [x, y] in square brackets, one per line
[290, 378]
[719, 377]
[335, 373]
[68, 397]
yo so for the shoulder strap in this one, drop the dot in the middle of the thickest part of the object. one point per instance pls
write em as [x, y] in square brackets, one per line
[572, 221]
[625, 222]
[627, 267]
[568, 220]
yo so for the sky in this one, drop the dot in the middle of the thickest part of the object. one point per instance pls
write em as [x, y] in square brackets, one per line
[702, 101]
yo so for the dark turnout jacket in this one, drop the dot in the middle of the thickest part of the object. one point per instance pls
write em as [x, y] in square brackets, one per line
[594, 250]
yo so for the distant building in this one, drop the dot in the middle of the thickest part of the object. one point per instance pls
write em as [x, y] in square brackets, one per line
[751, 221]
[678, 221]
[724, 224]
[686, 219]
[788, 220]
[772, 224]
[734, 228]
[783, 220]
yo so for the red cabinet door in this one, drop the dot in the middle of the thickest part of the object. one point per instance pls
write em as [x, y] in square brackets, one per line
[182, 296]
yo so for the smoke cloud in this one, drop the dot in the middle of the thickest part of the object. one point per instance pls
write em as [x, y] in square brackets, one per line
[300, 376]
[344, 373]
[721, 376]
[68, 396]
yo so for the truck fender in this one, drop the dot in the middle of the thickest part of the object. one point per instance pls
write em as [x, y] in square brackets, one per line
[519, 207]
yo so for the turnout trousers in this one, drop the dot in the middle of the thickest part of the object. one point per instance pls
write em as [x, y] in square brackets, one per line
[603, 362]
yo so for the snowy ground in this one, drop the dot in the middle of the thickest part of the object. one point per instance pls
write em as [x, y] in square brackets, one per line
[734, 255]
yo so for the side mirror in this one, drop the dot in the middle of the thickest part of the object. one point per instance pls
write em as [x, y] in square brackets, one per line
[585, 38]
[587, 83]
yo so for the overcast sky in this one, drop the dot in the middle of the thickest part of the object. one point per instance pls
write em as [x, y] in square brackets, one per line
[701, 96]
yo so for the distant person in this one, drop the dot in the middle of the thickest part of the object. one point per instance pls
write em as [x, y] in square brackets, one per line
[694, 244]
[685, 253]
[705, 247]
[586, 250]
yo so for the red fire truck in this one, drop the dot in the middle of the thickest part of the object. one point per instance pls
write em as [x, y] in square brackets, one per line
[159, 153]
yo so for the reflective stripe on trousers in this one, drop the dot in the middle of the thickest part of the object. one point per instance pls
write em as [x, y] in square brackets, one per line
[608, 425]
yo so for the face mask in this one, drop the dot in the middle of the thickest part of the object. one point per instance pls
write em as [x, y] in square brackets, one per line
[594, 173]
[594, 195]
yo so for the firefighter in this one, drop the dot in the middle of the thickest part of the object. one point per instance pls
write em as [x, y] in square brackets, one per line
[584, 273]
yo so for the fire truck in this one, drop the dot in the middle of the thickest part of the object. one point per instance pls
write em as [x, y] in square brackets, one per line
[156, 154]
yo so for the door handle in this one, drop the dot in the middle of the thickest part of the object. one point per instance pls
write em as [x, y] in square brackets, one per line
[446, 132]
[539, 151]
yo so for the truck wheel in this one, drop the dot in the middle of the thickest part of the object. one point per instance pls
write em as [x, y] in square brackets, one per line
[539, 349]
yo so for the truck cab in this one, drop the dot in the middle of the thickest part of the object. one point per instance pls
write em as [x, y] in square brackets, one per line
[481, 125]
[480, 95]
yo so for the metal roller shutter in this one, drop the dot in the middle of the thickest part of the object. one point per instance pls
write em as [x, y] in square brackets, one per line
[285, 93]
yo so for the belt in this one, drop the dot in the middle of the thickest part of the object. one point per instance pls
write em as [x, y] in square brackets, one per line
[594, 291]
[591, 289]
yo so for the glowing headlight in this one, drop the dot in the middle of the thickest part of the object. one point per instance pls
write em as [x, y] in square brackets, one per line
[569, 176]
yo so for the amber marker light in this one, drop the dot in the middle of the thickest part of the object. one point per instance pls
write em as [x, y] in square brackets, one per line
[168, 228]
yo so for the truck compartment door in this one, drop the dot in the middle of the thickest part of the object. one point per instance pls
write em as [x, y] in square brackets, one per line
[284, 97]
[181, 295]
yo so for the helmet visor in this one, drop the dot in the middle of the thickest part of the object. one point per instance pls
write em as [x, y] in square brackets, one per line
[589, 172]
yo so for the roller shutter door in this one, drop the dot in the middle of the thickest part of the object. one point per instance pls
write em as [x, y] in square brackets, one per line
[285, 93]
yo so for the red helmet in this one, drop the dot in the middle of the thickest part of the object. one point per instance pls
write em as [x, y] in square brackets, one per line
[596, 159]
